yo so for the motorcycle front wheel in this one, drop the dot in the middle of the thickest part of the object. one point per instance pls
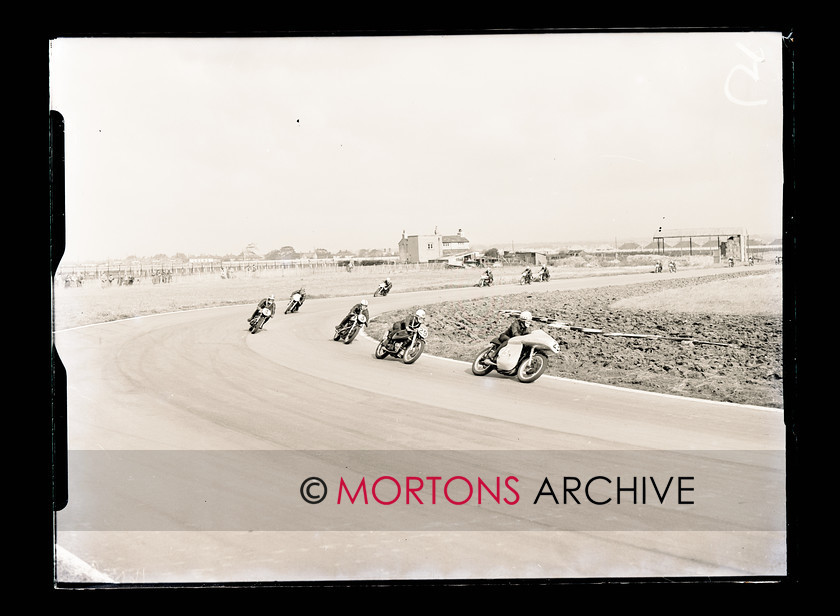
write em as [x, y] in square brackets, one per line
[413, 353]
[352, 335]
[478, 368]
[531, 369]
[257, 326]
[376, 293]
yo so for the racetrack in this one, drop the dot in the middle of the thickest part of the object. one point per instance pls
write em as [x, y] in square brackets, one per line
[198, 384]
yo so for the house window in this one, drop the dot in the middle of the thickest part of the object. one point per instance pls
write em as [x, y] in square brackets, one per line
[430, 246]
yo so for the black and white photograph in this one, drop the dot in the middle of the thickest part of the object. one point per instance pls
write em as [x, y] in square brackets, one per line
[462, 308]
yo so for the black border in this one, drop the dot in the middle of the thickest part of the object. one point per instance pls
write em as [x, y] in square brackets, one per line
[293, 27]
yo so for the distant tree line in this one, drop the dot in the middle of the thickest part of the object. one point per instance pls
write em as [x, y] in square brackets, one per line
[286, 253]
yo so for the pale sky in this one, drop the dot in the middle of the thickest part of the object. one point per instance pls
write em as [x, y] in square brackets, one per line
[205, 145]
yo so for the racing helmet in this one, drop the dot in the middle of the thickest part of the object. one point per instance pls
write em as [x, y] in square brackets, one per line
[363, 302]
[525, 316]
[388, 280]
[271, 298]
[421, 314]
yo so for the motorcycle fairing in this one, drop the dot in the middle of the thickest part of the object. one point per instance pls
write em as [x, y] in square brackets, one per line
[509, 356]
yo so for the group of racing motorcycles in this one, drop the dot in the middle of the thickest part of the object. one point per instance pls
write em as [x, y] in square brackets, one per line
[657, 267]
[521, 350]
[542, 275]
[268, 306]
[526, 277]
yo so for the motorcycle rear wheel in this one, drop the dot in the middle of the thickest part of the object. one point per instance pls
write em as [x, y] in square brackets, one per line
[530, 370]
[478, 368]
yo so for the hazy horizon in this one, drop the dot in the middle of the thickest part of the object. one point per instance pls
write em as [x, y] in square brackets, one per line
[590, 243]
[207, 145]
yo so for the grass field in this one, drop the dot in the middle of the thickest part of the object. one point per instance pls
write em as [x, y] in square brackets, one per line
[738, 311]
[737, 296]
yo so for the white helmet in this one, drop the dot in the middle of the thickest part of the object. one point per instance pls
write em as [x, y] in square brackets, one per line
[421, 314]
[271, 297]
[525, 316]
[363, 302]
[387, 280]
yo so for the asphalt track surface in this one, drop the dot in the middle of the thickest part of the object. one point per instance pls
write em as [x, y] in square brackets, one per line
[197, 383]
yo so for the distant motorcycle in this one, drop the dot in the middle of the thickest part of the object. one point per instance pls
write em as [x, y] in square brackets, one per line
[524, 357]
[351, 329]
[544, 276]
[525, 278]
[294, 303]
[259, 320]
[381, 290]
[485, 281]
[672, 267]
[409, 349]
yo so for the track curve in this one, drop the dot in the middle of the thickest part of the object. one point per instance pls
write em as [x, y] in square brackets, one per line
[199, 380]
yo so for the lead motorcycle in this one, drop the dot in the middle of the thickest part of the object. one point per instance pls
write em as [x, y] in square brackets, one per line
[485, 281]
[351, 329]
[259, 320]
[408, 349]
[525, 357]
[294, 303]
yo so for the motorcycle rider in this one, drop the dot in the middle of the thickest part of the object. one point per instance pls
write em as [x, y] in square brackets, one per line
[519, 327]
[302, 293]
[401, 330]
[543, 274]
[386, 286]
[489, 275]
[267, 302]
[528, 275]
[360, 308]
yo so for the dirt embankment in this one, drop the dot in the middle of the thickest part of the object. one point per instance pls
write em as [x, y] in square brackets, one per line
[724, 354]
